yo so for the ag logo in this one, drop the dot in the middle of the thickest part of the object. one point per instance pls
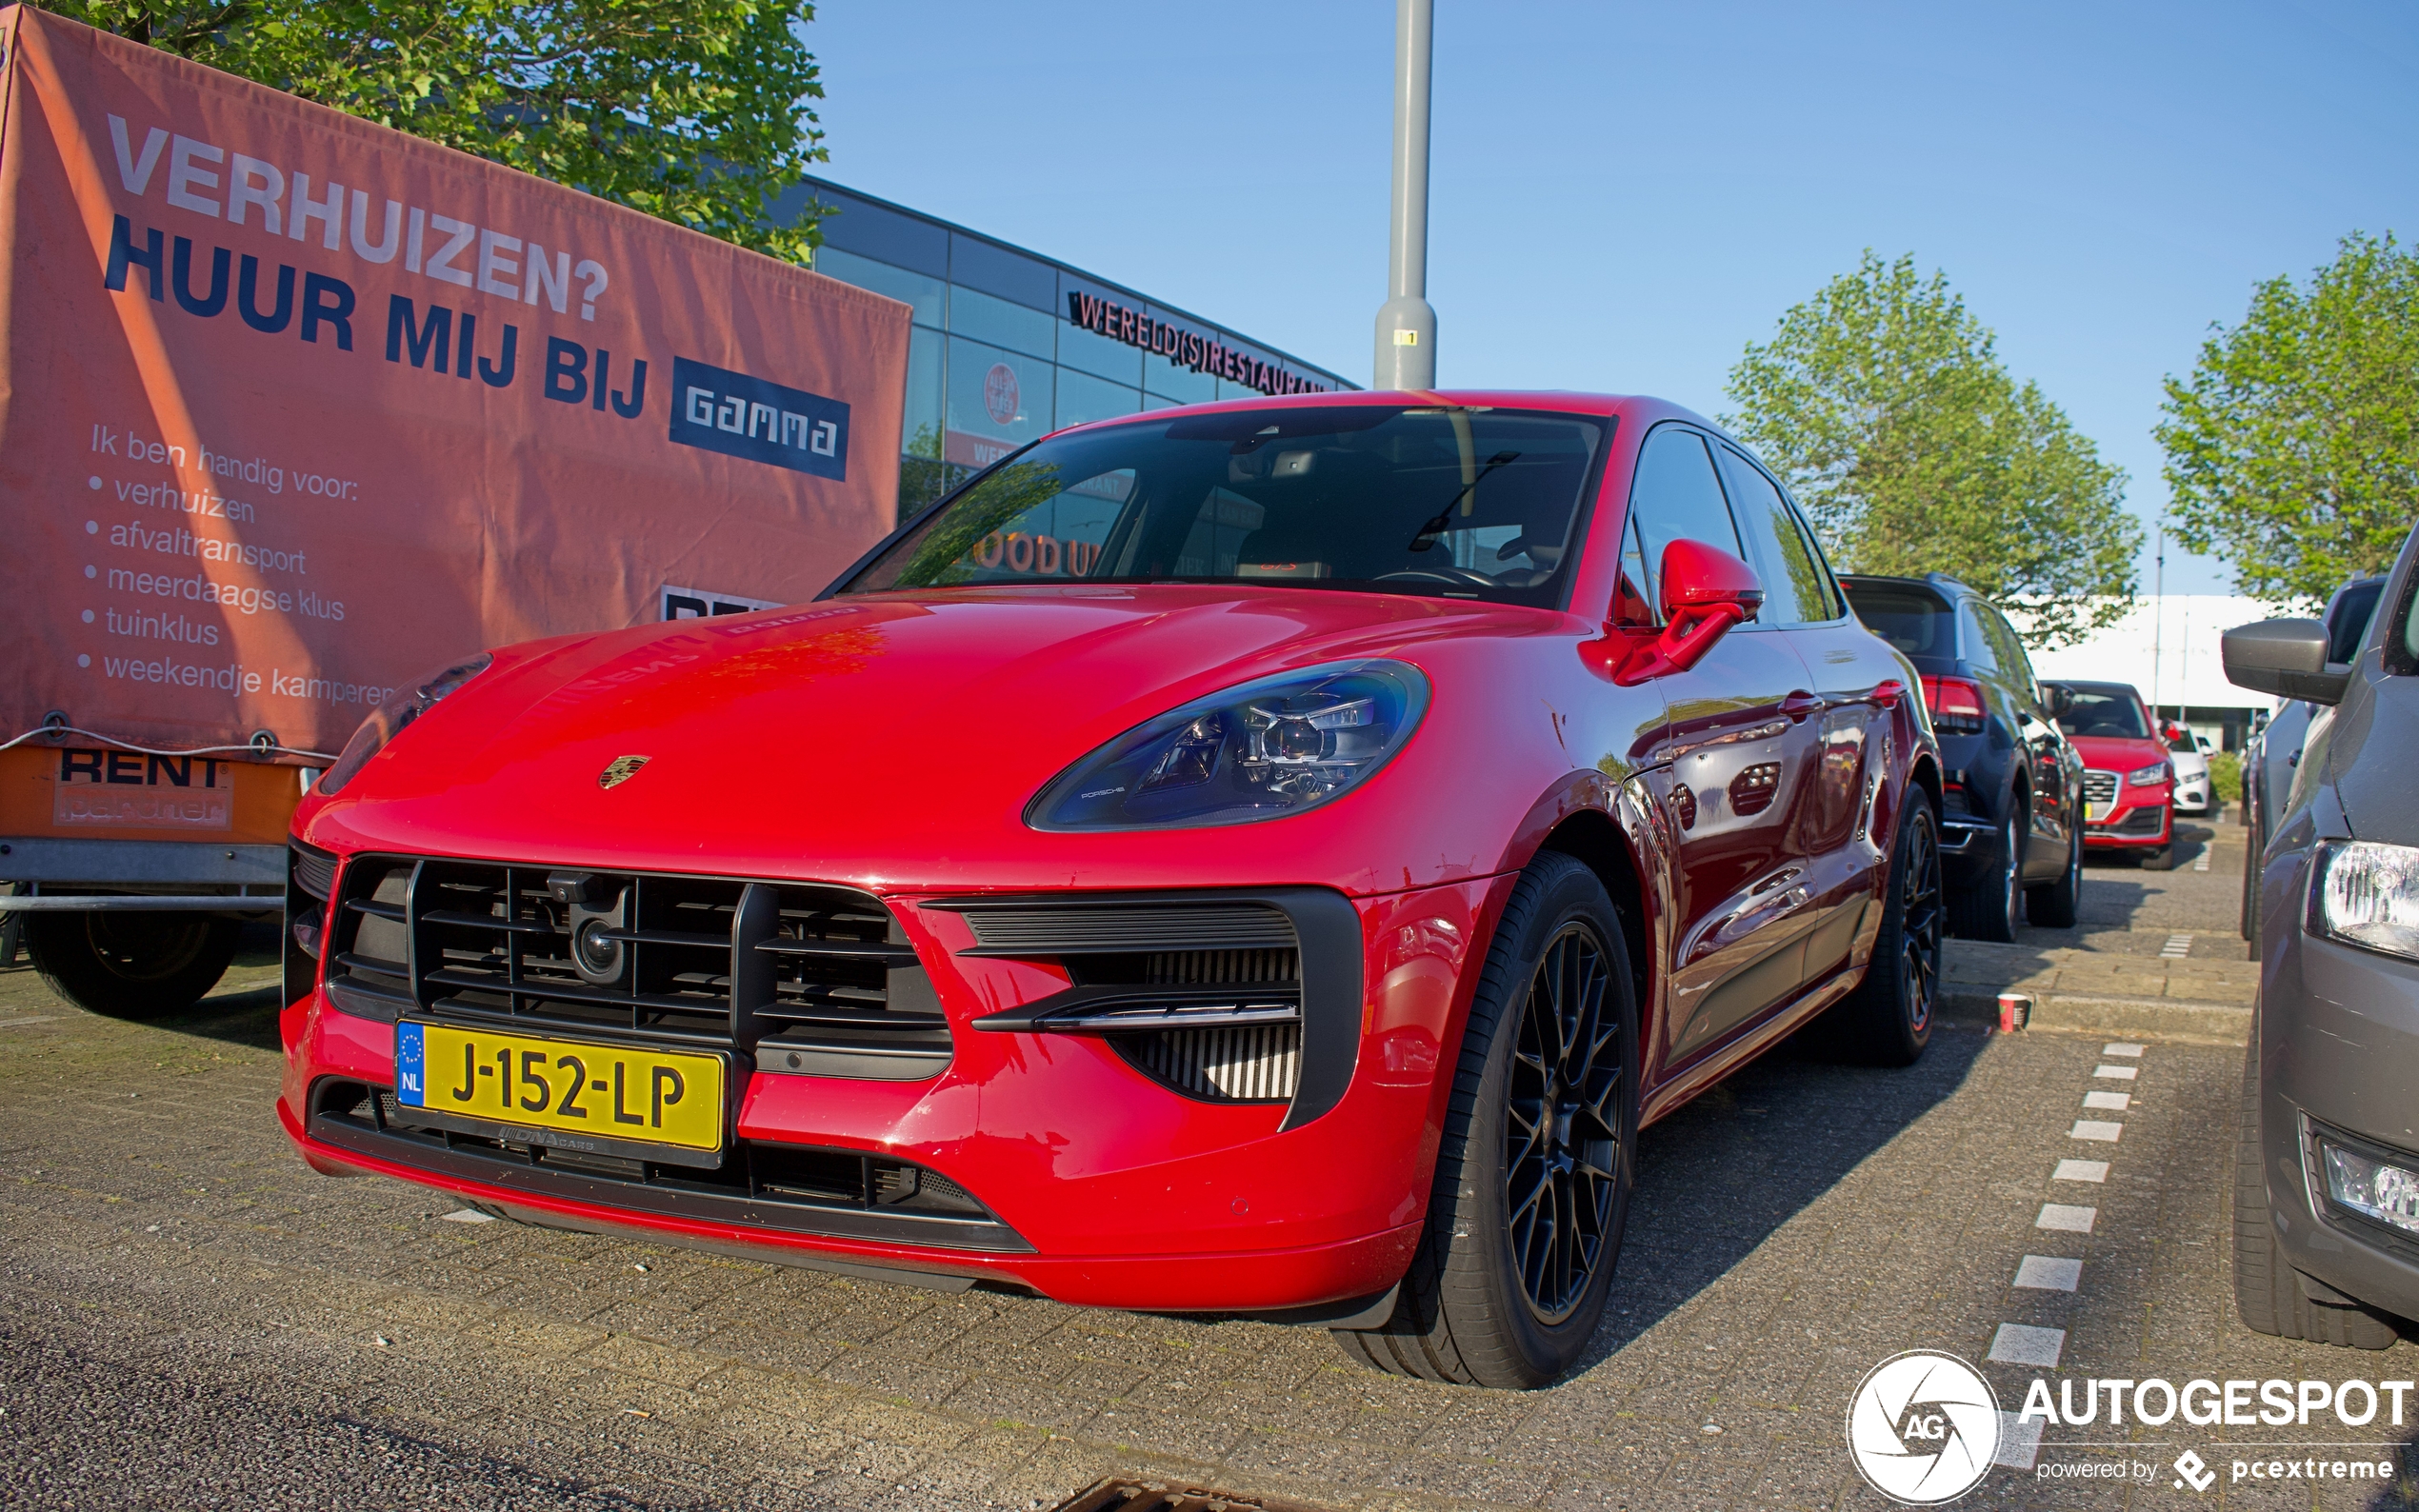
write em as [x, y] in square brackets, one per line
[1923, 1427]
[621, 771]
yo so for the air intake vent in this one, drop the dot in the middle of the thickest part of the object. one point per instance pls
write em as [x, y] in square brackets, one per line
[809, 978]
[1005, 929]
[310, 879]
[1222, 996]
[1262, 1064]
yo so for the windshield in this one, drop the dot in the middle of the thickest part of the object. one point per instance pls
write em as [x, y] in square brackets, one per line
[1477, 504]
[2115, 713]
[1918, 624]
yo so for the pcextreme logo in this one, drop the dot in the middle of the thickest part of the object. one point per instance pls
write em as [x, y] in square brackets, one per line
[1923, 1427]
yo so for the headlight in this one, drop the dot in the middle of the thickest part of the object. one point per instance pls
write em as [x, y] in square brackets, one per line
[1263, 751]
[2150, 776]
[2386, 1192]
[387, 720]
[2366, 895]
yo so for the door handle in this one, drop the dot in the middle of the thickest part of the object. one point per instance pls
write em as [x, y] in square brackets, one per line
[1800, 704]
[1887, 693]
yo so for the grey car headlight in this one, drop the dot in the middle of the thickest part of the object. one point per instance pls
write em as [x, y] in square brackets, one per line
[2383, 1191]
[2368, 895]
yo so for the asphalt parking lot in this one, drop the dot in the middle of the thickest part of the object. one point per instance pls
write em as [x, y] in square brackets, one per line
[189, 1317]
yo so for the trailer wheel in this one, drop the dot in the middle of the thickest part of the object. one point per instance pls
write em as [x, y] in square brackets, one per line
[132, 965]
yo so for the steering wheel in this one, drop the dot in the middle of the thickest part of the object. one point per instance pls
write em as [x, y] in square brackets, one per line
[1463, 576]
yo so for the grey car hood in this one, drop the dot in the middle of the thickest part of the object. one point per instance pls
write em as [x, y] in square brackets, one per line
[2372, 756]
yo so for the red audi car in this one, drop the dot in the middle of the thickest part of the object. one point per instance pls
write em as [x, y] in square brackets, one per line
[2129, 778]
[1263, 858]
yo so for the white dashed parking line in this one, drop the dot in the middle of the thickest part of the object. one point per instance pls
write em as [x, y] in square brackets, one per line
[2091, 1129]
[2065, 1217]
[2122, 1051]
[2080, 1171]
[2176, 948]
[2116, 1073]
[2114, 1101]
[2022, 1344]
[467, 1215]
[2048, 1273]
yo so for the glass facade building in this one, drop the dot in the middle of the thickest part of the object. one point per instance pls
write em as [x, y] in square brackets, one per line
[1008, 346]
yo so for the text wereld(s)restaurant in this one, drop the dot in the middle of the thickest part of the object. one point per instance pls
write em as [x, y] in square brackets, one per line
[1008, 346]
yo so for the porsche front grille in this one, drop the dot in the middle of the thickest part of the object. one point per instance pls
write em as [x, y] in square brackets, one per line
[809, 978]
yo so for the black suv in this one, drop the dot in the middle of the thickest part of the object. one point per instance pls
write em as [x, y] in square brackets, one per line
[2011, 806]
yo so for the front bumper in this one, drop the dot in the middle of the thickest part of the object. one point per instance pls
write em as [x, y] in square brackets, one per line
[1105, 1187]
[2339, 1048]
[2144, 820]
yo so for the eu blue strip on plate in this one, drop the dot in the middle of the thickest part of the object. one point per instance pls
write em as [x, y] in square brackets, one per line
[410, 1051]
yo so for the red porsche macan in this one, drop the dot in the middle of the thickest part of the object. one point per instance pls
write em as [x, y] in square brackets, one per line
[1262, 858]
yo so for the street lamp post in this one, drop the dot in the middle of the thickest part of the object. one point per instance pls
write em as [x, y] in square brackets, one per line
[1407, 323]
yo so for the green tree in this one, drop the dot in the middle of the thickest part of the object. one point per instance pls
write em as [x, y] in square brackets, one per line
[694, 110]
[1883, 403]
[2293, 450]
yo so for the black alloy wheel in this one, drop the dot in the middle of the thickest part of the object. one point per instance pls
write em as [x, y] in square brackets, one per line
[1990, 908]
[1538, 1153]
[1562, 1133]
[1888, 1016]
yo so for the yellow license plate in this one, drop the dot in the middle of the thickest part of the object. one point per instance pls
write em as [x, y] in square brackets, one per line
[655, 1097]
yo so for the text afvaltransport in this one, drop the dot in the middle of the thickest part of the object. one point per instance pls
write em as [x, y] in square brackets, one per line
[2274, 1403]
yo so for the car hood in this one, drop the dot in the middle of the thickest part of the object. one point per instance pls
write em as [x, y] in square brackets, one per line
[2108, 753]
[832, 735]
[2368, 758]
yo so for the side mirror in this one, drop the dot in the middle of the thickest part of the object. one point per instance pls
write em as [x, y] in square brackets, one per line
[2057, 699]
[2286, 658]
[1706, 591]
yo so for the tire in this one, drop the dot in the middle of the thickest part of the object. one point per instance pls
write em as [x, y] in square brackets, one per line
[2059, 903]
[131, 966]
[2250, 925]
[1986, 907]
[2162, 859]
[1888, 1019]
[1501, 1291]
[2271, 1297]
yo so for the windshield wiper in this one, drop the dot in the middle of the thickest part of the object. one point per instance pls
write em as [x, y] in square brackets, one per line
[1444, 518]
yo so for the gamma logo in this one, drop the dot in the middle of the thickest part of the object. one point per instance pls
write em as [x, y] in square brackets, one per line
[1923, 1427]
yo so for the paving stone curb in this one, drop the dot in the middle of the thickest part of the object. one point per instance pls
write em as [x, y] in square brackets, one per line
[2167, 1020]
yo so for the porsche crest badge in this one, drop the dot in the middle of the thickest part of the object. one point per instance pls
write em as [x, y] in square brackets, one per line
[621, 769]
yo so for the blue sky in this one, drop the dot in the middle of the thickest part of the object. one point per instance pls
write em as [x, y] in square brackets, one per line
[1623, 195]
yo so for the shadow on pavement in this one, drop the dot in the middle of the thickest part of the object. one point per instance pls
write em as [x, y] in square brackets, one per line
[1722, 1175]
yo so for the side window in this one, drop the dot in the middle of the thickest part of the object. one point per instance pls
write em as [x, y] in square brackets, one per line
[1794, 591]
[2010, 646]
[1973, 641]
[1677, 498]
[1835, 601]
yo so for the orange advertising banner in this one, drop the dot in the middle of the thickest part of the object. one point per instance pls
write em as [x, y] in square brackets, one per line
[295, 406]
